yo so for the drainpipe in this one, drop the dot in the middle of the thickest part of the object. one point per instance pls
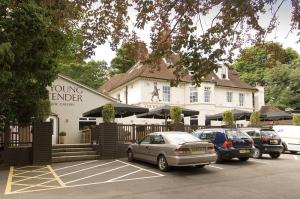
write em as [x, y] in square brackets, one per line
[126, 94]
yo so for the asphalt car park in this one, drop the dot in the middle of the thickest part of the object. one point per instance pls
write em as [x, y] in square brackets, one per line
[257, 178]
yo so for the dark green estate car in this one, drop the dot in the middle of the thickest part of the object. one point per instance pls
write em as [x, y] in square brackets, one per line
[266, 141]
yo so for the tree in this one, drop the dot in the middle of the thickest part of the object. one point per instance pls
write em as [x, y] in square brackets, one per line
[253, 62]
[228, 118]
[175, 114]
[296, 119]
[92, 73]
[176, 26]
[43, 109]
[29, 44]
[108, 113]
[255, 118]
[282, 85]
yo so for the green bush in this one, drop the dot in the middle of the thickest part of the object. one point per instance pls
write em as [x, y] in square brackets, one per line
[175, 114]
[296, 119]
[255, 118]
[228, 118]
[62, 133]
[43, 109]
[108, 113]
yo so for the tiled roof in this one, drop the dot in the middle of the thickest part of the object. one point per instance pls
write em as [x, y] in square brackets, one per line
[165, 73]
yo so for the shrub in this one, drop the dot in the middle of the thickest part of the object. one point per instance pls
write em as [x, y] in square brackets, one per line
[296, 119]
[108, 113]
[175, 114]
[228, 118]
[255, 118]
[62, 133]
[43, 109]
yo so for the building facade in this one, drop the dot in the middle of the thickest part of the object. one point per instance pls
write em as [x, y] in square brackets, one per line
[221, 90]
[69, 100]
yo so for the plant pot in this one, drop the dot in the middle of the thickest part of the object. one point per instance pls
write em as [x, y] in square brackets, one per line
[62, 139]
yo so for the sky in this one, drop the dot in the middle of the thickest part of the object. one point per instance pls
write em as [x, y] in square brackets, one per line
[280, 34]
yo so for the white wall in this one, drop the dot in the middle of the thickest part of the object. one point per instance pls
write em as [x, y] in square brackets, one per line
[140, 93]
[259, 97]
[69, 111]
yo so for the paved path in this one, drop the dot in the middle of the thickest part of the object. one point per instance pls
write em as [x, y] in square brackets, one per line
[264, 178]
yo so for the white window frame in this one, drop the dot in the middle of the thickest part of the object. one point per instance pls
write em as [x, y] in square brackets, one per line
[207, 94]
[166, 93]
[241, 99]
[229, 96]
[193, 95]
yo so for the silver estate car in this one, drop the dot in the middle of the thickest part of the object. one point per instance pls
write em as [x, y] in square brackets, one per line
[172, 149]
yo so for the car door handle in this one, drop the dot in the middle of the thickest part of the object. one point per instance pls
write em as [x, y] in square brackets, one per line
[147, 147]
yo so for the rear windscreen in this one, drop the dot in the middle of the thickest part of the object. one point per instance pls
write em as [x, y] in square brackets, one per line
[268, 133]
[234, 134]
[180, 138]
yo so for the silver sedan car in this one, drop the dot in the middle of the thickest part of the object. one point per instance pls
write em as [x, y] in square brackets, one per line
[172, 149]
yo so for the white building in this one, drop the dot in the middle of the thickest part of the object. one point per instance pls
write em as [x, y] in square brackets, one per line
[69, 100]
[221, 90]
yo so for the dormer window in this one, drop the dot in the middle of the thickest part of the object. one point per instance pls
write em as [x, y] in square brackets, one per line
[222, 72]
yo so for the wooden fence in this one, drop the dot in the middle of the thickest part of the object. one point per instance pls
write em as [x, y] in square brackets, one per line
[128, 133]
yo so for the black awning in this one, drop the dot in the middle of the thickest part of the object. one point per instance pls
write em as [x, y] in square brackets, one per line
[121, 110]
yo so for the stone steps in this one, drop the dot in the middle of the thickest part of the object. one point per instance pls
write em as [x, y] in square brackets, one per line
[73, 152]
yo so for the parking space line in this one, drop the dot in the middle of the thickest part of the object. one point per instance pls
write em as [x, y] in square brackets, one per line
[96, 174]
[29, 171]
[257, 161]
[74, 165]
[99, 165]
[34, 185]
[56, 176]
[295, 157]
[9, 180]
[141, 168]
[111, 180]
[216, 167]
[31, 177]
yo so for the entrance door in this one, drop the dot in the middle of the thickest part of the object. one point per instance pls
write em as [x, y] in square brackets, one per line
[54, 121]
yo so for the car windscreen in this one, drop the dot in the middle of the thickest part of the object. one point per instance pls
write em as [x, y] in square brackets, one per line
[180, 138]
[235, 134]
[268, 133]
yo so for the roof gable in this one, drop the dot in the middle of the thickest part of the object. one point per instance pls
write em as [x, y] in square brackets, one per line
[164, 72]
[86, 87]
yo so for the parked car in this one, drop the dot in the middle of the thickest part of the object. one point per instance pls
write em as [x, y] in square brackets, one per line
[172, 148]
[290, 136]
[266, 141]
[229, 143]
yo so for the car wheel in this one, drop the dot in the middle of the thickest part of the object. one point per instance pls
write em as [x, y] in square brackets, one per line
[257, 153]
[293, 152]
[284, 148]
[130, 155]
[162, 163]
[200, 166]
[244, 159]
[274, 155]
[219, 158]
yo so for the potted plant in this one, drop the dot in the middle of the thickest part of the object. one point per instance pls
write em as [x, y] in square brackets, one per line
[176, 117]
[62, 136]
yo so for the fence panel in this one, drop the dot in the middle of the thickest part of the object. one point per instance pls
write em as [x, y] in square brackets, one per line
[20, 135]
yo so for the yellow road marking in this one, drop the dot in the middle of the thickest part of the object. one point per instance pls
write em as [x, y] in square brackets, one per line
[31, 177]
[28, 167]
[56, 176]
[35, 170]
[35, 185]
[9, 181]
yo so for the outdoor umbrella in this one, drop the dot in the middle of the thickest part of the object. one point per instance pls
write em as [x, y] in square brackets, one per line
[121, 110]
[237, 114]
[163, 112]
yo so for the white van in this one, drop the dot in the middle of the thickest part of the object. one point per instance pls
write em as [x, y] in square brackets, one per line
[290, 136]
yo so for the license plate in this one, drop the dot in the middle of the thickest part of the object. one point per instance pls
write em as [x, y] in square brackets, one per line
[244, 151]
[198, 149]
[273, 141]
